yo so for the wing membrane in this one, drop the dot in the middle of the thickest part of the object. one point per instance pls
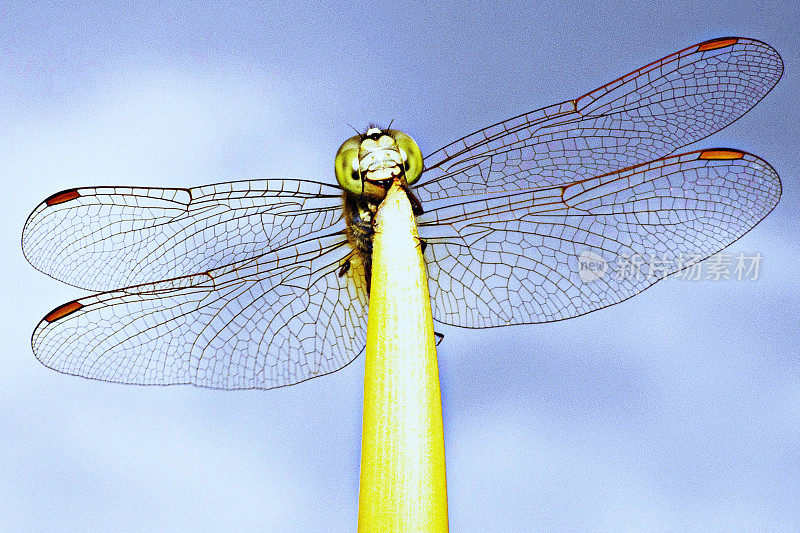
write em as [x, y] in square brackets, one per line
[513, 257]
[104, 238]
[265, 322]
[642, 116]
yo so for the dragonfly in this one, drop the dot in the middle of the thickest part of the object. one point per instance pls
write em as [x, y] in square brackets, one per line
[257, 284]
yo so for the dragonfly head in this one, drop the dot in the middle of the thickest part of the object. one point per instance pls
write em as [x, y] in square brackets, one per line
[366, 164]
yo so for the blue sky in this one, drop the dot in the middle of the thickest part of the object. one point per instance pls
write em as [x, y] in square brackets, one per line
[676, 410]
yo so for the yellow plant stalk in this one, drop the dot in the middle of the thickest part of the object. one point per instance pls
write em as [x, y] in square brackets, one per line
[403, 485]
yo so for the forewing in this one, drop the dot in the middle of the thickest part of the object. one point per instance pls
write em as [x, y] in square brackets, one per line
[514, 257]
[266, 322]
[639, 117]
[104, 238]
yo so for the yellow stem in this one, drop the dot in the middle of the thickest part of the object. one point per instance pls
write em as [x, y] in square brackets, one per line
[403, 485]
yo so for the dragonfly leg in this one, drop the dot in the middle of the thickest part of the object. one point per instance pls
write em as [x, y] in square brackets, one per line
[439, 337]
[416, 205]
[368, 271]
[345, 268]
[423, 244]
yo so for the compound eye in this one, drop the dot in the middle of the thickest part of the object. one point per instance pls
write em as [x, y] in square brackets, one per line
[346, 166]
[412, 155]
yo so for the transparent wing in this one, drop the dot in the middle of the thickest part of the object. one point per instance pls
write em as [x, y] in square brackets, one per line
[642, 116]
[277, 319]
[513, 257]
[104, 238]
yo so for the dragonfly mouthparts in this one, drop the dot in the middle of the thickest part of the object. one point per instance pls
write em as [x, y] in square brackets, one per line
[379, 165]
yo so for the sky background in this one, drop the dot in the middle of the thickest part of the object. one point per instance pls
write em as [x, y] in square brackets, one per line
[676, 410]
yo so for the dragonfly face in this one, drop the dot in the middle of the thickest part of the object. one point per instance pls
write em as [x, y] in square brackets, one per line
[264, 283]
[366, 164]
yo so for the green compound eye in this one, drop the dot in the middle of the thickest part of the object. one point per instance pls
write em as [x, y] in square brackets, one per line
[346, 166]
[412, 155]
